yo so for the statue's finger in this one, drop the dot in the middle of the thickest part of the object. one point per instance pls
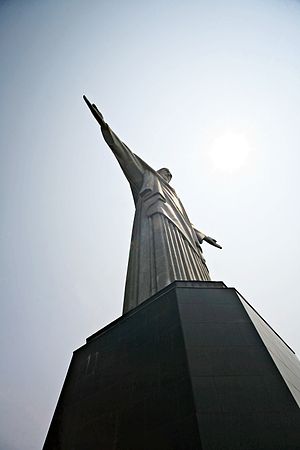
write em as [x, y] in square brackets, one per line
[87, 101]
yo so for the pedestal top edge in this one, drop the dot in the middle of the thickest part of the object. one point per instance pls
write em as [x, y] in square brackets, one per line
[179, 284]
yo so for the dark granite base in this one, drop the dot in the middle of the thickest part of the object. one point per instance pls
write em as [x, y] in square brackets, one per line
[187, 369]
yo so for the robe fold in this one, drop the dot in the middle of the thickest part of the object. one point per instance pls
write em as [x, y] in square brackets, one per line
[164, 244]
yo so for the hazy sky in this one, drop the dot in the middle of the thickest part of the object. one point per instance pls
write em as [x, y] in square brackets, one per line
[210, 90]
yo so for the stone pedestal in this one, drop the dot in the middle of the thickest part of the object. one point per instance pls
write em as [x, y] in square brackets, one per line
[193, 367]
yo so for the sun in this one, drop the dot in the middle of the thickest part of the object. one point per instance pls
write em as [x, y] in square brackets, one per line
[229, 152]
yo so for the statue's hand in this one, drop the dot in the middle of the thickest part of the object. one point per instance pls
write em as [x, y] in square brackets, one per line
[95, 111]
[212, 241]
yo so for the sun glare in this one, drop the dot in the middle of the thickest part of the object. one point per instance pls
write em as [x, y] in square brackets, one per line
[229, 152]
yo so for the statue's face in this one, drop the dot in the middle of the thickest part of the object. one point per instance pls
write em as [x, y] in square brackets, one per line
[166, 174]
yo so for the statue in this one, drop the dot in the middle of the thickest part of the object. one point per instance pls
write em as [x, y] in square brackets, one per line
[165, 246]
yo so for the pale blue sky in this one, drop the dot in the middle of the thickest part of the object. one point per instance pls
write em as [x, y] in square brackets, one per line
[170, 78]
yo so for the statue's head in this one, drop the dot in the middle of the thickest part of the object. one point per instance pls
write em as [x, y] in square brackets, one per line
[165, 173]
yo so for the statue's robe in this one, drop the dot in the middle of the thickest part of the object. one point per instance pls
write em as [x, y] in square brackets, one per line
[164, 245]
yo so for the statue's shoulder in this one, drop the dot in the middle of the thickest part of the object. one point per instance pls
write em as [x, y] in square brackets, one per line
[150, 172]
[144, 164]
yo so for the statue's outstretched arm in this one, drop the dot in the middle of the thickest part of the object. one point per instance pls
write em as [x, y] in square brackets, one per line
[129, 163]
[202, 237]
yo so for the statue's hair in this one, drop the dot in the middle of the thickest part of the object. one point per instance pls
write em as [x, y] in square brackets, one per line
[164, 168]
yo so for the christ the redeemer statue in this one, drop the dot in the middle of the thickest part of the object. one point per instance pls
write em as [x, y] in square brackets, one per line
[165, 246]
